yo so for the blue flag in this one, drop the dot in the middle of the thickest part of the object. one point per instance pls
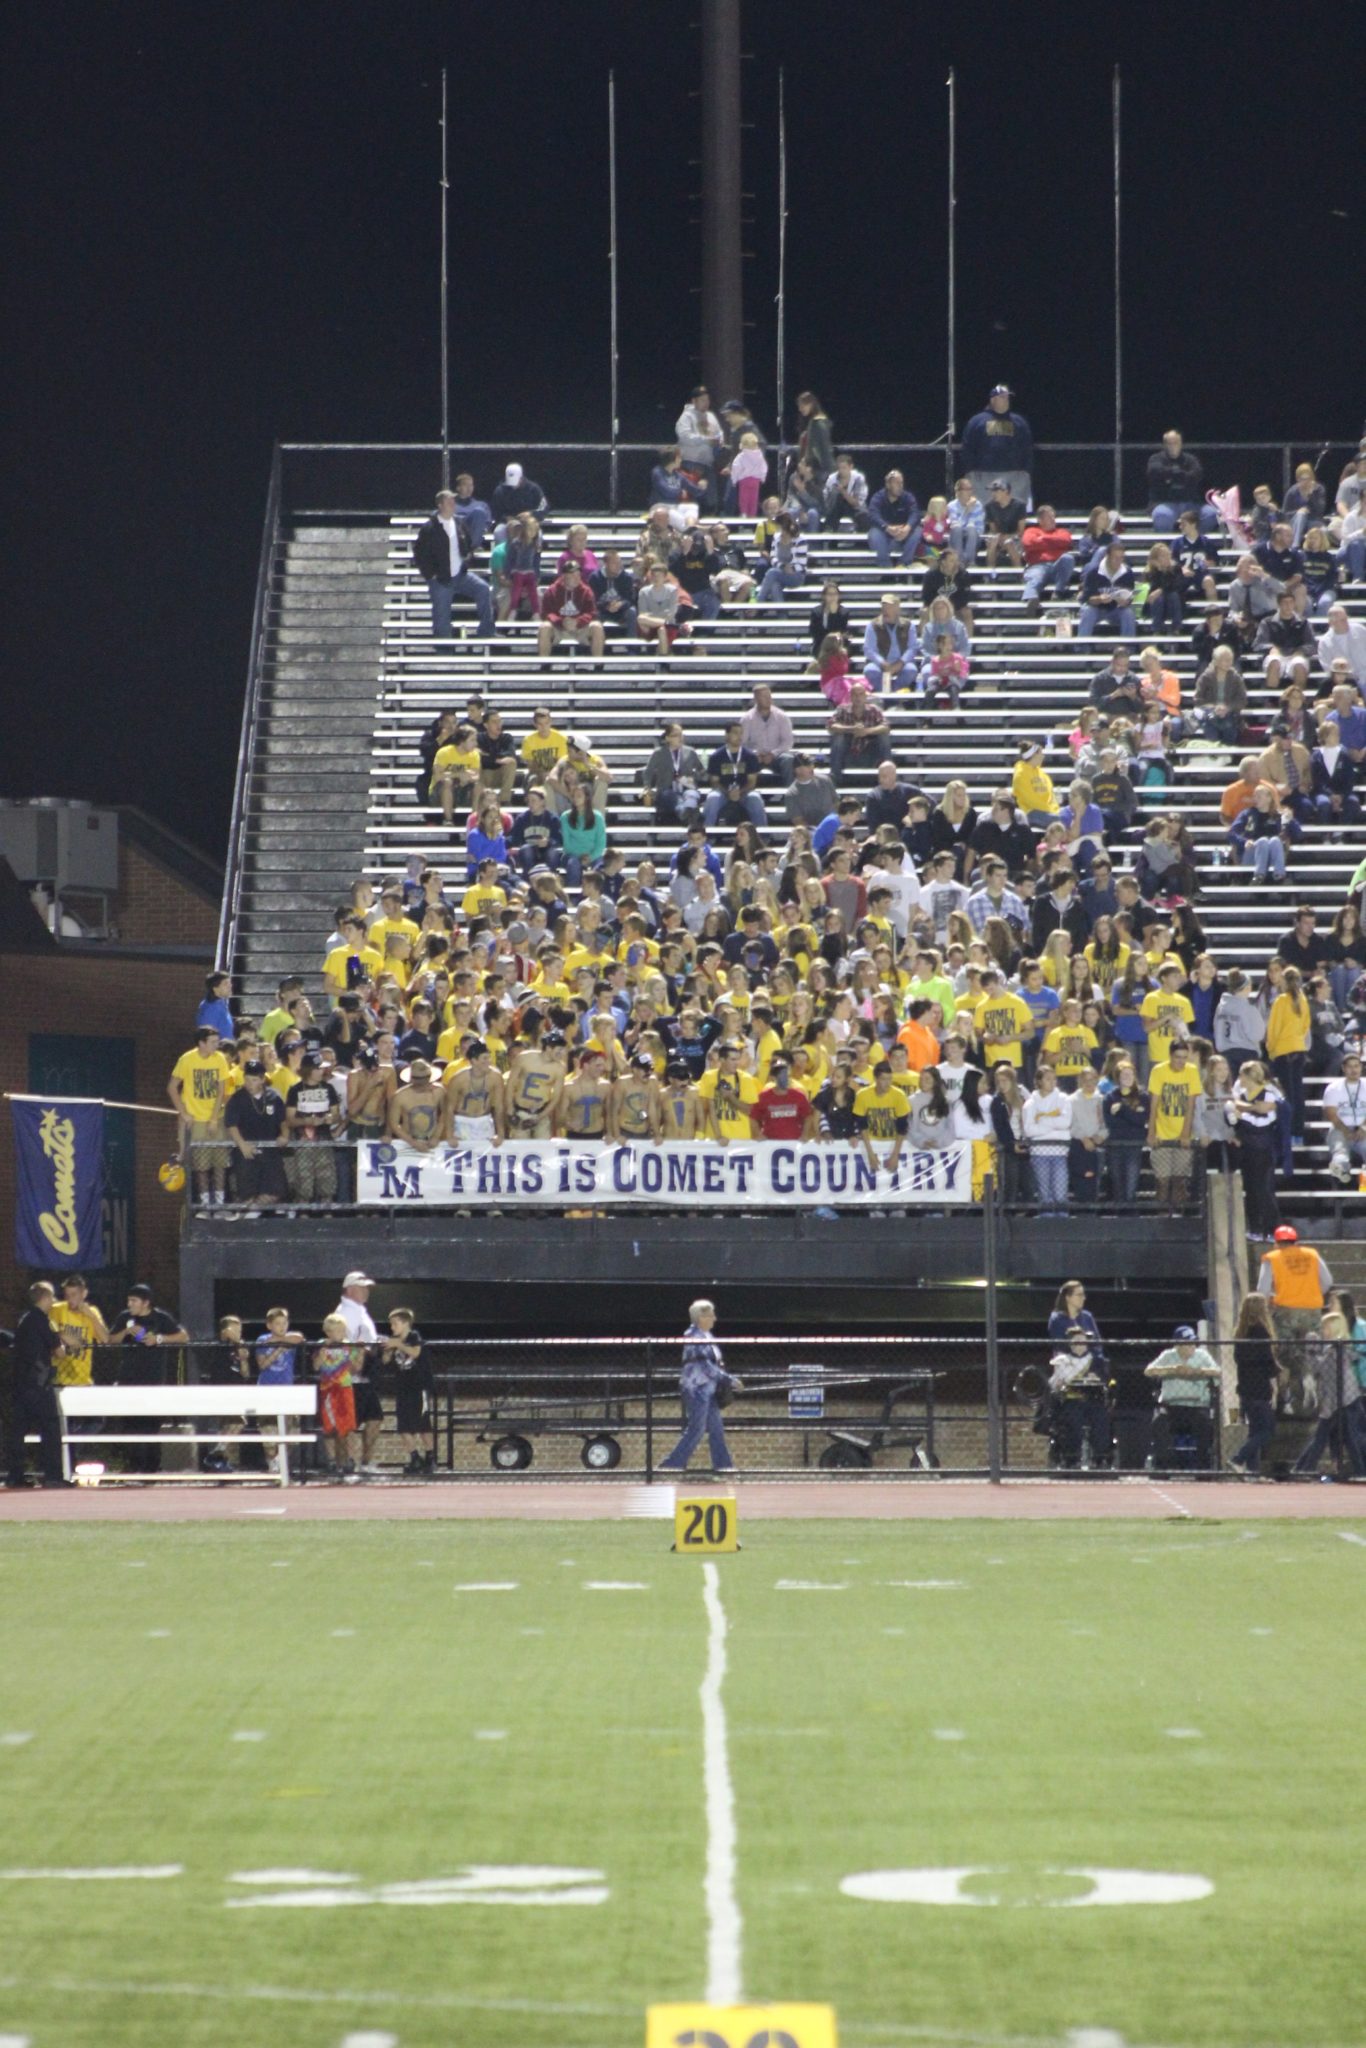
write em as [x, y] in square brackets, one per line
[59, 1162]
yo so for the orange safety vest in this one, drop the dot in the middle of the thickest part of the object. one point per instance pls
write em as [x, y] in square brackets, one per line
[1294, 1277]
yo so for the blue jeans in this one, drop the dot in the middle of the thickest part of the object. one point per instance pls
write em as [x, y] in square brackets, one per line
[754, 805]
[1049, 1166]
[706, 604]
[1353, 560]
[1350, 812]
[1166, 516]
[1166, 610]
[1260, 1417]
[967, 540]
[701, 1417]
[776, 582]
[1266, 857]
[869, 755]
[1124, 1157]
[445, 588]
[1123, 615]
[1055, 576]
[888, 550]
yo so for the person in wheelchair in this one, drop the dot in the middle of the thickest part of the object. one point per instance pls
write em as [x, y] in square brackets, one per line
[1079, 1414]
[1187, 1388]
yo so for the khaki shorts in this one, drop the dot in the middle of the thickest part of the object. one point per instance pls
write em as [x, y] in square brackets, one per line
[1171, 1162]
[209, 1150]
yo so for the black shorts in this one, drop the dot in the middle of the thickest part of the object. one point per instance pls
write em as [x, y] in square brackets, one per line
[369, 1407]
[263, 1175]
[412, 1405]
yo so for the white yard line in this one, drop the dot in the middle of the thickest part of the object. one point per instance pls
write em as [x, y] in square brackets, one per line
[1348, 1536]
[1171, 1501]
[724, 1926]
[268, 1994]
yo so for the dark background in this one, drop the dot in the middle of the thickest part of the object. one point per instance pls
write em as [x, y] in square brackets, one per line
[224, 231]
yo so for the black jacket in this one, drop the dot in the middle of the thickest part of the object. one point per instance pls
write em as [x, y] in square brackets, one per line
[35, 1341]
[432, 550]
[1178, 480]
[509, 500]
[1045, 918]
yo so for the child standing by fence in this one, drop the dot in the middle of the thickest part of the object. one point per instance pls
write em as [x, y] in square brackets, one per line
[748, 473]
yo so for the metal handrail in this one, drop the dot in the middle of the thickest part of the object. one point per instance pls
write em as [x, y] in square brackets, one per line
[237, 830]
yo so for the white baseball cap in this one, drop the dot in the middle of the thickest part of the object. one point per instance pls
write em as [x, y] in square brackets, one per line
[358, 1280]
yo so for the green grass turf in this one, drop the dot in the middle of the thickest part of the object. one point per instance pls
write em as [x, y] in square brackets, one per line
[1062, 1658]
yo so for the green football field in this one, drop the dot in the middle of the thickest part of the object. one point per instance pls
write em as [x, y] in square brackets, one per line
[449, 1783]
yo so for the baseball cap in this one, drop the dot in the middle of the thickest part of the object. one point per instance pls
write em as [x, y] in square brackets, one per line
[254, 1067]
[678, 1070]
[518, 933]
[999, 484]
[1184, 1334]
[583, 741]
[733, 405]
[1001, 391]
[357, 1280]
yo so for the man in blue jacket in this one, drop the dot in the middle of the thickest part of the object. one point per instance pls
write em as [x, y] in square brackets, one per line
[1000, 443]
[894, 534]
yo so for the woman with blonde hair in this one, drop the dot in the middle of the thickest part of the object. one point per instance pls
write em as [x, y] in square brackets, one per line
[1330, 1358]
[1165, 602]
[1055, 960]
[1289, 1029]
[952, 824]
[1254, 1113]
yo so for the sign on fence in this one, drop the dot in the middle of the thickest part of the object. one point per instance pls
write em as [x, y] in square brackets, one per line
[556, 1174]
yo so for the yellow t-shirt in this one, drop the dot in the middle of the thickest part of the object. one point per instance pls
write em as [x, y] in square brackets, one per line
[461, 760]
[1006, 1017]
[880, 1113]
[1032, 789]
[549, 992]
[1172, 1095]
[384, 927]
[203, 1085]
[540, 752]
[581, 956]
[636, 955]
[765, 1051]
[1105, 973]
[73, 1368]
[1161, 1013]
[732, 1097]
[448, 1044]
[282, 1079]
[483, 899]
[1068, 1046]
[334, 966]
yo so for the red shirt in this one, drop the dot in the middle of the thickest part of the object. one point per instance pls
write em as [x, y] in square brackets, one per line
[1039, 546]
[781, 1113]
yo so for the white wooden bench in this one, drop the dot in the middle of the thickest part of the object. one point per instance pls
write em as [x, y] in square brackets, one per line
[267, 1405]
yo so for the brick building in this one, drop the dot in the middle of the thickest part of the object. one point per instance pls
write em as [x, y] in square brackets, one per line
[110, 1017]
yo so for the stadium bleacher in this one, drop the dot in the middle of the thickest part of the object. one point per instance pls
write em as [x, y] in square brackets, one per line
[350, 677]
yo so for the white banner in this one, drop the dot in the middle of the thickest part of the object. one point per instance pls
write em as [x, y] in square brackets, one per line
[550, 1173]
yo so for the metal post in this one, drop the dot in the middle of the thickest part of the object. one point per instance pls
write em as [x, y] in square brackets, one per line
[993, 1334]
[781, 414]
[612, 494]
[1119, 358]
[952, 330]
[649, 1414]
[723, 343]
[445, 308]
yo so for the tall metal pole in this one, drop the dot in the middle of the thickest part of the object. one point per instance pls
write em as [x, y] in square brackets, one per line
[1119, 355]
[989, 1274]
[612, 272]
[782, 252]
[953, 279]
[723, 326]
[445, 307]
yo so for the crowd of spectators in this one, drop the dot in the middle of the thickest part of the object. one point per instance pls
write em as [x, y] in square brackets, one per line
[1031, 974]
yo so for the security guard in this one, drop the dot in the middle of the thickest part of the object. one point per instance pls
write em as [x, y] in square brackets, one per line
[1296, 1282]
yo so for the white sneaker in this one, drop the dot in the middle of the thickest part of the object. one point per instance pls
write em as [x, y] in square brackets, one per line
[372, 1471]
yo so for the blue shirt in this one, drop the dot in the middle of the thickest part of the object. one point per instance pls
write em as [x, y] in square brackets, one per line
[275, 1362]
[216, 1016]
[1042, 1003]
[702, 1368]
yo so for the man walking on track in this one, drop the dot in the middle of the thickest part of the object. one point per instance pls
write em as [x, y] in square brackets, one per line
[702, 1379]
[1296, 1281]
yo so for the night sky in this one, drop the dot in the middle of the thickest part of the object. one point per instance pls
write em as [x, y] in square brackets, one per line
[224, 231]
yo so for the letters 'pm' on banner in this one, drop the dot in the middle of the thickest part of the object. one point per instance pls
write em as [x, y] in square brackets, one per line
[59, 1174]
[549, 1174]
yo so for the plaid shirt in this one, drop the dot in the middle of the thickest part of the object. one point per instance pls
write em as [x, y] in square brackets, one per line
[980, 907]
